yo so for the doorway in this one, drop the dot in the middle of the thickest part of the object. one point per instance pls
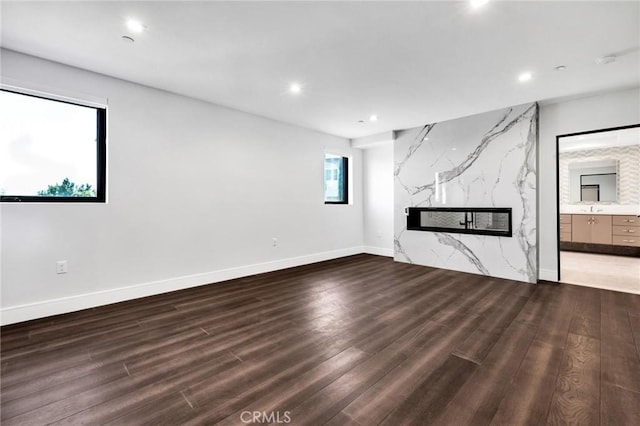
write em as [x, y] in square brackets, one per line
[598, 199]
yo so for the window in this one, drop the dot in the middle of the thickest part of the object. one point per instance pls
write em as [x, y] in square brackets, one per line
[336, 179]
[51, 150]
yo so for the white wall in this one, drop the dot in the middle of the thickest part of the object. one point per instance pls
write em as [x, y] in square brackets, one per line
[378, 199]
[612, 109]
[195, 194]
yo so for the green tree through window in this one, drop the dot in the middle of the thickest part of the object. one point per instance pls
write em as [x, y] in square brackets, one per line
[68, 189]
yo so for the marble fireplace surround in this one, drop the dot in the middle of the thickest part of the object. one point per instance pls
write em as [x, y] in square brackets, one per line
[485, 160]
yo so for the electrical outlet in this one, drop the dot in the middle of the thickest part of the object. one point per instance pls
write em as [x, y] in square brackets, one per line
[274, 242]
[61, 267]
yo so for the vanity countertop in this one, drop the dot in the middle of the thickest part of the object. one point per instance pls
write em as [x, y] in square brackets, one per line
[604, 209]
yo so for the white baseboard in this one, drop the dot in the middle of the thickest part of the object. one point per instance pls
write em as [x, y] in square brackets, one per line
[14, 314]
[548, 275]
[378, 251]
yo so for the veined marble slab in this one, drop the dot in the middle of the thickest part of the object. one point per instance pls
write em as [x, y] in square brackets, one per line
[486, 160]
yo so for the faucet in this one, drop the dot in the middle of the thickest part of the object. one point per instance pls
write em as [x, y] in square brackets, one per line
[468, 220]
[591, 209]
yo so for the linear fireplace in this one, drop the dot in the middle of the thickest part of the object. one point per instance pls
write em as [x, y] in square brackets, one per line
[461, 220]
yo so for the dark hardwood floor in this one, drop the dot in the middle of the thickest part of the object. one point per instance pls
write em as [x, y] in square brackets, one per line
[359, 340]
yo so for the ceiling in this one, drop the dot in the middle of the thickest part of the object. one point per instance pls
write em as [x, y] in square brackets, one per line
[409, 63]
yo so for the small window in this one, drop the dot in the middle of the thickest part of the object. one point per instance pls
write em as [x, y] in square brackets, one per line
[51, 150]
[336, 179]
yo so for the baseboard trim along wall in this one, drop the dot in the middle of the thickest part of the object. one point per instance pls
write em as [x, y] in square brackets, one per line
[30, 311]
[379, 251]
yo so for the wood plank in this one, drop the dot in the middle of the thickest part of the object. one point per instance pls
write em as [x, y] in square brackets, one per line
[435, 346]
[117, 398]
[585, 320]
[342, 419]
[538, 304]
[161, 411]
[634, 320]
[470, 303]
[528, 397]
[328, 402]
[429, 400]
[284, 393]
[619, 406]
[61, 383]
[478, 400]
[554, 326]
[478, 345]
[201, 346]
[576, 398]
[36, 364]
[620, 363]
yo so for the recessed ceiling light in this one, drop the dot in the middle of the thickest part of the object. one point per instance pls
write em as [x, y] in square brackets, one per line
[454, 149]
[478, 3]
[135, 26]
[373, 118]
[295, 88]
[560, 68]
[525, 76]
[127, 39]
[426, 138]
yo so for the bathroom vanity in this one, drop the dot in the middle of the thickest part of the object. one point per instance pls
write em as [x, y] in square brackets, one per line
[600, 233]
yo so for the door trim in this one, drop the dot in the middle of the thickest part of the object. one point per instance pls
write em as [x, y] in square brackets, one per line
[607, 129]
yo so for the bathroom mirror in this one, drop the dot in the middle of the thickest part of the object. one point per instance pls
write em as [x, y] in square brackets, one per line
[599, 167]
[593, 181]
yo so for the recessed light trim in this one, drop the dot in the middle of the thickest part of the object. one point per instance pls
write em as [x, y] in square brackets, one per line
[525, 76]
[295, 88]
[135, 26]
[127, 39]
[476, 4]
[560, 68]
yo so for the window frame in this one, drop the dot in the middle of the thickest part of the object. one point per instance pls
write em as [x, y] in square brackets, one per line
[101, 154]
[345, 182]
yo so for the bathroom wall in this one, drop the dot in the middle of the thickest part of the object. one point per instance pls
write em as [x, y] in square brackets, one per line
[485, 160]
[628, 158]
